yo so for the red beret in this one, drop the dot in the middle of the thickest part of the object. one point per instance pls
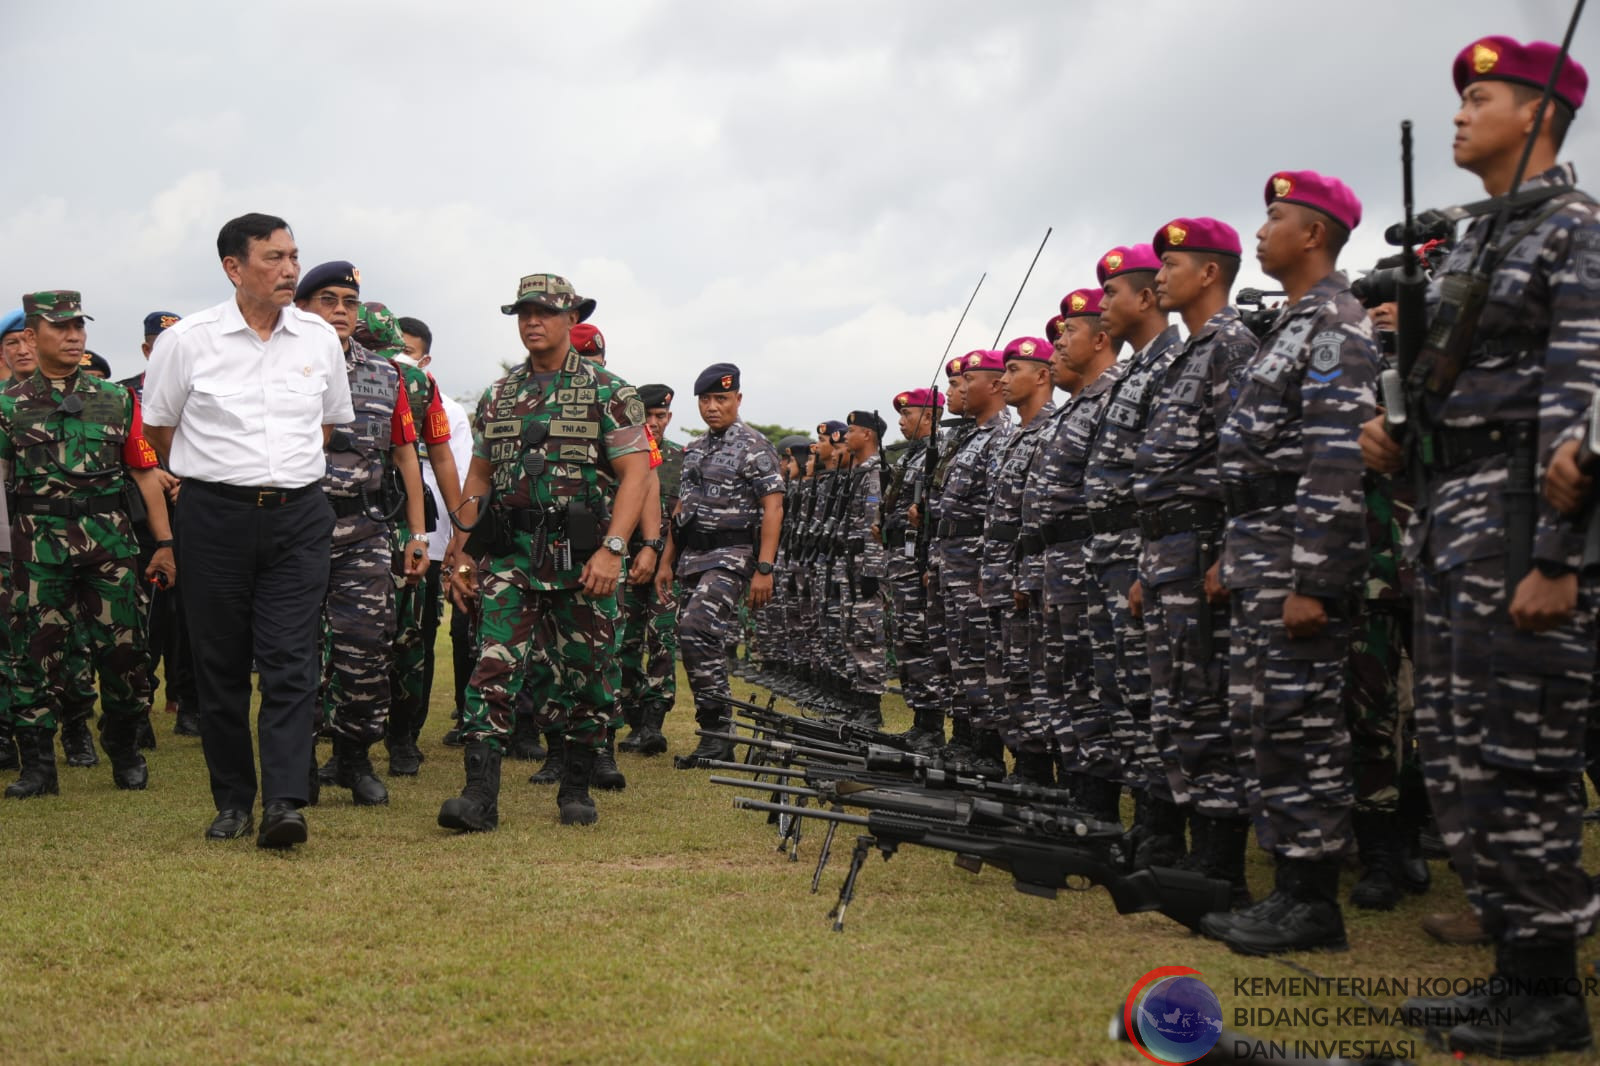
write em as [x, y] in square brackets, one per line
[984, 359]
[1505, 59]
[1309, 189]
[1033, 349]
[918, 398]
[588, 340]
[1196, 235]
[1123, 260]
[956, 367]
[1081, 302]
[1052, 328]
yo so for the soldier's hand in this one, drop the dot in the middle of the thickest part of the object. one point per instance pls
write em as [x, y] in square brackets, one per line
[600, 573]
[1136, 599]
[1304, 616]
[463, 585]
[1379, 450]
[416, 562]
[1565, 486]
[642, 567]
[1216, 591]
[1542, 603]
[760, 590]
[162, 569]
[168, 484]
[1019, 600]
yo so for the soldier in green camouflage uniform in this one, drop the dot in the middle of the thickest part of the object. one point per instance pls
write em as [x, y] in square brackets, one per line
[553, 436]
[69, 442]
[650, 622]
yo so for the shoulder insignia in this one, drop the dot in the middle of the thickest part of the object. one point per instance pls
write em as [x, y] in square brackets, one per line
[1325, 349]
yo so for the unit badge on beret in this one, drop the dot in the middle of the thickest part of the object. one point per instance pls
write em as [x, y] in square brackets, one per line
[356, 275]
[667, 399]
[1484, 58]
[168, 321]
[902, 399]
[1079, 301]
[1113, 260]
[1176, 234]
[974, 360]
[727, 381]
[1026, 348]
[822, 429]
[1281, 186]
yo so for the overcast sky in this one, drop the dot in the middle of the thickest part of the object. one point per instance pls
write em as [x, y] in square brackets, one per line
[807, 190]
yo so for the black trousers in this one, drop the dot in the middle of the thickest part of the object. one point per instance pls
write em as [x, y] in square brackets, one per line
[253, 580]
[431, 590]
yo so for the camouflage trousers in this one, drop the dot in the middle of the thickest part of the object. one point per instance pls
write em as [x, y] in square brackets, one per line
[75, 700]
[832, 634]
[74, 619]
[416, 610]
[913, 653]
[358, 618]
[864, 638]
[707, 614]
[966, 633]
[1293, 747]
[1500, 721]
[939, 687]
[1189, 716]
[1008, 671]
[765, 629]
[1033, 721]
[561, 645]
[649, 649]
[1372, 705]
[796, 646]
[1121, 670]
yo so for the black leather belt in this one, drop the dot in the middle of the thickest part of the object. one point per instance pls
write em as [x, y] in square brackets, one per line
[1259, 493]
[1003, 532]
[1114, 519]
[1181, 516]
[255, 496]
[1457, 446]
[69, 508]
[1062, 530]
[966, 527]
[695, 540]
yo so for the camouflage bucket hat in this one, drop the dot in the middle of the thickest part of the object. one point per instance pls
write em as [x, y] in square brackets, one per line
[377, 329]
[551, 291]
[54, 305]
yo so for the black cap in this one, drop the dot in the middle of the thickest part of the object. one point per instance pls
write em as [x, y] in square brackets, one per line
[869, 420]
[718, 377]
[96, 362]
[338, 272]
[157, 321]
[831, 429]
[655, 396]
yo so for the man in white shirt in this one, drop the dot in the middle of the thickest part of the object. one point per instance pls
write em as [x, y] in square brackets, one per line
[240, 400]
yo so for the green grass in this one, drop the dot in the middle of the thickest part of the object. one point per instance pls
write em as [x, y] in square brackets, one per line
[671, 932]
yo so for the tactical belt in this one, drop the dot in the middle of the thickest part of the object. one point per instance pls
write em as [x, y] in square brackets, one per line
[895, 538]
[1456, 447]
[531, 519]
[1114, 519]
[1003, 532]
[956, 528]
[695, 540]
[1030, 544]
[347, 506]
[1062, 530]
[1259, 493]
[262, 496]
[1181, 516]
[69, 508]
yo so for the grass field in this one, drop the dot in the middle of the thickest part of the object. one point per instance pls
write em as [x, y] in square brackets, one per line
[671, 932]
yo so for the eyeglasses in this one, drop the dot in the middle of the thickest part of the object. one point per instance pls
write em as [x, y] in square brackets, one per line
[329, 301]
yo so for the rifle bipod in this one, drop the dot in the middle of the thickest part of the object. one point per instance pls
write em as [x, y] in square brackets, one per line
[847, 891]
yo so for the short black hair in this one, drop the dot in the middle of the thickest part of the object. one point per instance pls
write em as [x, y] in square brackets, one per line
[32, 322]
[418, 329]
[1338, 235]
[1139, 280]
[1557, 117]
[236, 234]
[1227, 266]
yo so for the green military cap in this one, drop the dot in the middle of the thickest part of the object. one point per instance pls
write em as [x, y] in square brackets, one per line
[551, 291]
[54, 305]
[377, 329]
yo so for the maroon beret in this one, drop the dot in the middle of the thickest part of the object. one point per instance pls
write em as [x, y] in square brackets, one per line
[1196, 235]
[1309, 189]
[1506, 59]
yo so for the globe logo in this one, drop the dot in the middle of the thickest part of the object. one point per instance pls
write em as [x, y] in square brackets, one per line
[1173, 1017]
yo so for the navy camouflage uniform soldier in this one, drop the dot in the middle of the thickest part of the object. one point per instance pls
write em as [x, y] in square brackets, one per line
[919, 410]
[650, 623]
[559, 440]
[69, 442]
[359, 611]
[963, 510]
[827, 646]
[1027, 385]
[724, 539]
[924, 519]
[1505, 645]
[1181, 516]
[1129, 312]
[1294, 559]
[866, 567]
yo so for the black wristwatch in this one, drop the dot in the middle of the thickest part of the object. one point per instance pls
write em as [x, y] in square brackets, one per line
[657, 545]
[1552, 570]
[763, 567]
[164, 543]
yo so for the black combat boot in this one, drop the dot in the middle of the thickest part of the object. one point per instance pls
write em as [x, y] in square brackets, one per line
[328, 772]
[633, 718]
[1218, 925]
[1415, 877]
[1378, 844]
[933, 731]
[77, 744]
[187, 721]
[573, 799]
[709, 747]
[120, 738]
[1540, 1009]
[146, 735]
[1226, 840]
[1102, 799]
[867, 710]
[9, 759]
[988, 754]
[959, 750]
[555, 758]
[405, 759]
[37, 748]
[525, 746]
[452, 736]
[653, 741]
[605, 775]
[1162, 842]
[354, 771]
[313, 780]
[1036, 768]
[1311, 920]
[477, 809]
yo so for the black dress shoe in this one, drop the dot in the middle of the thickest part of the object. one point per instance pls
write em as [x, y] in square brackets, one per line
[230, 825]
[282, 826]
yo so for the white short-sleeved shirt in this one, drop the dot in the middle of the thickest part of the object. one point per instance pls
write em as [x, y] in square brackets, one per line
[247, 411]
[461, 451]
